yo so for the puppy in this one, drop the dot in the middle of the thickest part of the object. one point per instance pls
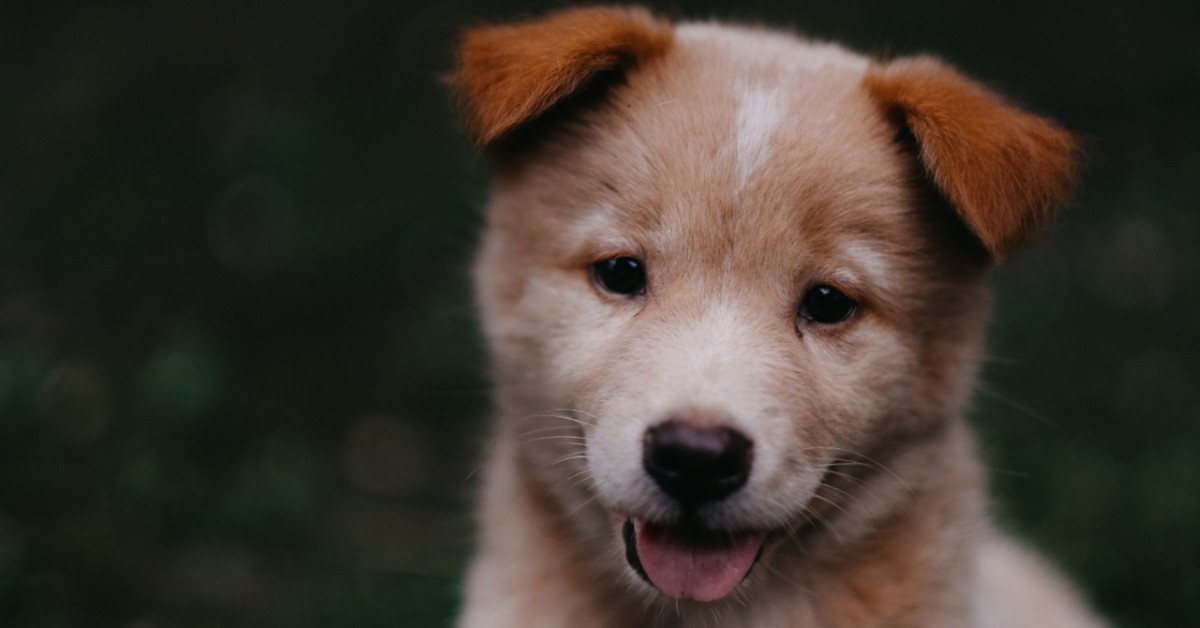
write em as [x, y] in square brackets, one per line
[734, 287]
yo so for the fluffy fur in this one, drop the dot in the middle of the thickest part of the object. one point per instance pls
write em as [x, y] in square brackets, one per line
[743, 167]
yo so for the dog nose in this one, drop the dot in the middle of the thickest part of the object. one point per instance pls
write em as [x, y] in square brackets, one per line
[696, 465]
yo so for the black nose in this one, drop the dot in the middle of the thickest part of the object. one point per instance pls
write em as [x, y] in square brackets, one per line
[696, 465]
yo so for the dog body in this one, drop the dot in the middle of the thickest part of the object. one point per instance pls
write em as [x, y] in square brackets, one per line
[734, 288]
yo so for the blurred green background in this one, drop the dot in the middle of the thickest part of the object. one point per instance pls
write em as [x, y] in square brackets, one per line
[240, 382]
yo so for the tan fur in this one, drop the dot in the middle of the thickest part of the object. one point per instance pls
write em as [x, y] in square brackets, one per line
[510, 74]
[743, 167]
[1003, 169]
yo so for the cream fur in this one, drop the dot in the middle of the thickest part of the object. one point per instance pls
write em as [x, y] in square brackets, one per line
[742, 167]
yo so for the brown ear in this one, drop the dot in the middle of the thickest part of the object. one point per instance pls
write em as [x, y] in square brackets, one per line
[1002, 169]
[510, 74]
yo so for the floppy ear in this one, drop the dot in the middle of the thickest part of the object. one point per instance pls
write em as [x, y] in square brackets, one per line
[1003, 170]
[510, 74]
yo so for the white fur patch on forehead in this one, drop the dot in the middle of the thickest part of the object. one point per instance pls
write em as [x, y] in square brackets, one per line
[759, 113]
[600, 230]
[868, 260]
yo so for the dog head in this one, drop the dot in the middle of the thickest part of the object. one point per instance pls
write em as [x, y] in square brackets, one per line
[721, 261]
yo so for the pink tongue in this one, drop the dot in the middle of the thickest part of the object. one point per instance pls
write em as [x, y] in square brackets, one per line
[702, 567]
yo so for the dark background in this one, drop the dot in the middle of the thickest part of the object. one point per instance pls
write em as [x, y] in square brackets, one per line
[240, 382]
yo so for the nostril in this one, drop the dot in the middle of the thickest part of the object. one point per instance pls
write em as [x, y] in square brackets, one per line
[694, 464]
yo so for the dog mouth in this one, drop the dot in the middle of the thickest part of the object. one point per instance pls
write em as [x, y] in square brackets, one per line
[691, 563]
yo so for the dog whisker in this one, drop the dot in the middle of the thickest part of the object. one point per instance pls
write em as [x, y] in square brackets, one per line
[824, 523]
[848, 495]
[1025, 475]
[584, 504]
[562, 437]
[864, 485]
[831, 503]
[553, 428]
[562, 413]
[578, 478]
[482, 457]
[575, 456]
[792, 581]
[1016, 405]
[863, 458]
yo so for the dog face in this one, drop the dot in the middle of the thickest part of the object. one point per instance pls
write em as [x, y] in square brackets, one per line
[721, 262]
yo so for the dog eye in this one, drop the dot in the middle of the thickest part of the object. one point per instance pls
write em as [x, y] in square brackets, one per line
[621, 275]
[827, 305]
